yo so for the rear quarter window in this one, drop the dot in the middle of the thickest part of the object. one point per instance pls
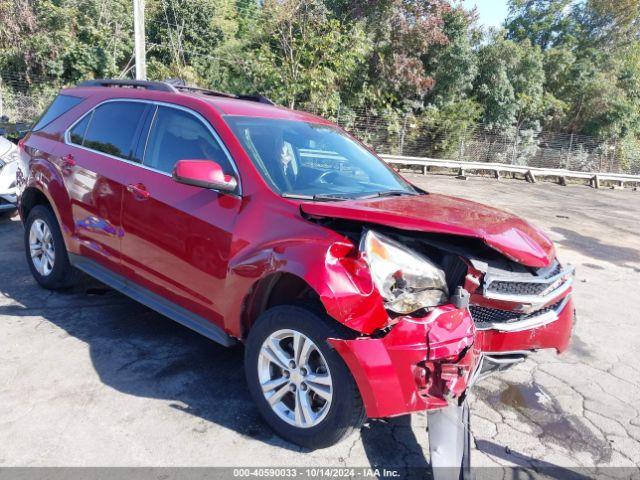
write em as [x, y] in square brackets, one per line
[61, 105]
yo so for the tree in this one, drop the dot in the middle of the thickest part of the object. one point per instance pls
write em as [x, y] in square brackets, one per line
[510, 83]
[545, 23]
[186, 38]
[301, 55]
[401, 33]
[63, 42]
[454, 64]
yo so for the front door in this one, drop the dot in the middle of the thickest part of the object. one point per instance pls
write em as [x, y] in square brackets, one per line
[177, 238]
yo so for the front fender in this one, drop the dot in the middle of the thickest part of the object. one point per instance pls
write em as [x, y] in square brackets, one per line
[334, 270]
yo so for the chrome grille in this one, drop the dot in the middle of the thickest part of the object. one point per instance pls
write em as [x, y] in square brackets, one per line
[528, 287]
[518, 288]
[486, 315]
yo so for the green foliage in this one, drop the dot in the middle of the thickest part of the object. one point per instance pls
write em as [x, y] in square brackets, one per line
[301, 56]
[63, 42]
[510, 83]
[543, 22]
[421, 70]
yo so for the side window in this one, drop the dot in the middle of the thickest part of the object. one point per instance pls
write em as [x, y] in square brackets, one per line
[62, 104]
[76, 135]
[178, 135]
[113, 128]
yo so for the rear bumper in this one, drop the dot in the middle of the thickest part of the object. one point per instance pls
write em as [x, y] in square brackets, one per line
[8, 190]
[421, 364]
[8, 201]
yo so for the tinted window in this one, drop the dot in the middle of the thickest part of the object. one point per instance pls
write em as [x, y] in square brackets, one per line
[178, 135]
[113, 128]
[77, 132]
[62, 104]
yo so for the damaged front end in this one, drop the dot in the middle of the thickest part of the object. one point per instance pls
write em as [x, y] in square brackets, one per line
[436, 345]
[423, 357]
[421, 363]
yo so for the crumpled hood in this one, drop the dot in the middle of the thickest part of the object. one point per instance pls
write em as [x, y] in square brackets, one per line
[502, 231]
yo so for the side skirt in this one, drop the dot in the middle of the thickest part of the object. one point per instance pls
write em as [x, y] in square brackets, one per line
[152, 300]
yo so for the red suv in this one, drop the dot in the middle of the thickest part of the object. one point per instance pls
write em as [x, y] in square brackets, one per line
[355, 293]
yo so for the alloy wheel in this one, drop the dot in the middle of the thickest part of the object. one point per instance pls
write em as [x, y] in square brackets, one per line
[41, 247]
[295, 378]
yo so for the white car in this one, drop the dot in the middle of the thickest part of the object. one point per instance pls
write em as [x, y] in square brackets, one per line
[8, 167]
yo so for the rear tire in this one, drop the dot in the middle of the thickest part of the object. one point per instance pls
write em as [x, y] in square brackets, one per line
[45, 250]
[316, 401]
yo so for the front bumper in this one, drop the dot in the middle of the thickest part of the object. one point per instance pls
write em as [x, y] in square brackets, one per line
[554, 334]
[421, 364]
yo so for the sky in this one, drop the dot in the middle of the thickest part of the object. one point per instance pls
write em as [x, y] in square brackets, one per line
[491, 12]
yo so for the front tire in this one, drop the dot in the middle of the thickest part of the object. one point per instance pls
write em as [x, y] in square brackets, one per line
[300, 384]
[45, 249]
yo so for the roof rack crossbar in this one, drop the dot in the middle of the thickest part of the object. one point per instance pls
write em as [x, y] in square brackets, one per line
[159, 86]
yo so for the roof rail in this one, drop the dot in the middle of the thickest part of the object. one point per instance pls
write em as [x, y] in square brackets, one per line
[159, 86]
[205, 91]
[171, 85]
[257, 98]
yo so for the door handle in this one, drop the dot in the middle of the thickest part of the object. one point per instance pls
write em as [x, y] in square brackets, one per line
[139, 191]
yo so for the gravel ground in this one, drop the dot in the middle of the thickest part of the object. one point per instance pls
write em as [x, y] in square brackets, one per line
[90, 378]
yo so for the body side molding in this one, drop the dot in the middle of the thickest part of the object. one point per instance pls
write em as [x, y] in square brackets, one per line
[152, 300]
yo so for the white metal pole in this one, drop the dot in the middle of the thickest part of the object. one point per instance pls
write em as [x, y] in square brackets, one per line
[138, 27]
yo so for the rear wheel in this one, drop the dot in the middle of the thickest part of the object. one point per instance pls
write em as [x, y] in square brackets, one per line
[302, 387]
[46, 253]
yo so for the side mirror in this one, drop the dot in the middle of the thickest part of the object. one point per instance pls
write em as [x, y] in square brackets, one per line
[205, 174]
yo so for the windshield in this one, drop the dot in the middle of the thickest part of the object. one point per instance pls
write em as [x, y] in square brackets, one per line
[307, 160]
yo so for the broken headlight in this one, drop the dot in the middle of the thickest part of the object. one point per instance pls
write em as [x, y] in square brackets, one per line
[405, 279]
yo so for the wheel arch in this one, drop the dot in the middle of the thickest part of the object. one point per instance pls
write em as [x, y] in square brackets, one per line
[277, 288]
[31, 197]
[331, 277]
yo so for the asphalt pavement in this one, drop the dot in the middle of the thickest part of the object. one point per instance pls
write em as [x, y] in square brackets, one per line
[90, 378]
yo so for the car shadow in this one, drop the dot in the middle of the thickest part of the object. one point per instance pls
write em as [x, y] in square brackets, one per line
[527, 463]
[135, 350]
[140, 352]
[594, 248]
[394, 444]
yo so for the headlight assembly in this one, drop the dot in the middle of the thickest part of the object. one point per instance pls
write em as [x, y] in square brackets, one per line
[405, 279]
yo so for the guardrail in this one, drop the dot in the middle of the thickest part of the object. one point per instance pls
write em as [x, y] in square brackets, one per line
[531, 174]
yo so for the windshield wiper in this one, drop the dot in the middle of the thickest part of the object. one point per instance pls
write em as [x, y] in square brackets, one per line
[322, 197]
[389, 193]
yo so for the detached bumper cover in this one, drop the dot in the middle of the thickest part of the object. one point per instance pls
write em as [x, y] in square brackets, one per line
[421, 364]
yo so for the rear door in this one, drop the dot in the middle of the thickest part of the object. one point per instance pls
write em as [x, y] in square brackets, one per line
[177, 237]
[99, 150]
